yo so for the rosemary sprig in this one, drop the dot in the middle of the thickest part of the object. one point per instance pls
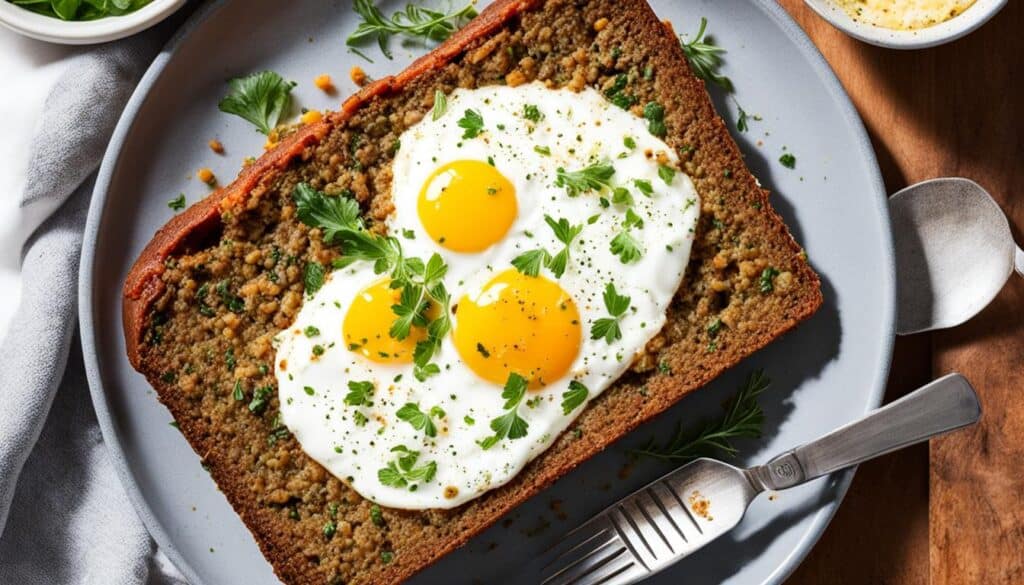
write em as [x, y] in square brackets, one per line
[705, 58]
[415, 21]
[743, 418]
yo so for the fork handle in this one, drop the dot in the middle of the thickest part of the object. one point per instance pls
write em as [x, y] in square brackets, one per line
[939, 407]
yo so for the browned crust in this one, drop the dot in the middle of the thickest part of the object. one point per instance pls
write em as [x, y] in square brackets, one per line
[144, 286]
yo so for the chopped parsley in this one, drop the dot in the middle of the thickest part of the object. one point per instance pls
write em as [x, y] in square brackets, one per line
[421, 421]
[592, 178]
[359, 393]
[530, 262]
[178, 203]
[509, 425]
[260, 399]
[259, 98]
[331, 214]
[766, 283]
[403, 472]
[666, 173]
[543, 150]
[311, 331]
[788, 160]
[574, 396]
[376, 516]
[472, 123]
[626, 247]
[532, 113]
[608, 327]
[654, 113]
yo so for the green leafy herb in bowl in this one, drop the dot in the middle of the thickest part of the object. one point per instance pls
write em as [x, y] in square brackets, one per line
[81, 9]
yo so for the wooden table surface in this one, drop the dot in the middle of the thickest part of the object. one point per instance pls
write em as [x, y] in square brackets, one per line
[948, 513]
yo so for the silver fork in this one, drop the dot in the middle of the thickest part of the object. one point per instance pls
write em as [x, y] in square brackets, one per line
[658, 525]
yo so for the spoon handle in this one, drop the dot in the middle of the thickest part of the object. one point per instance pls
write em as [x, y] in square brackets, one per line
[1019, 261]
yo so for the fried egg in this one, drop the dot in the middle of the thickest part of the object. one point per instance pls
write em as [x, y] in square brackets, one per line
[494, 181]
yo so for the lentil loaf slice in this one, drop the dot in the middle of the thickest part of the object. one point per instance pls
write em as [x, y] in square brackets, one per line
[216, 283]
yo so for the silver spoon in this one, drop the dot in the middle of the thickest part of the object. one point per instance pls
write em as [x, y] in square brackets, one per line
[954, 253]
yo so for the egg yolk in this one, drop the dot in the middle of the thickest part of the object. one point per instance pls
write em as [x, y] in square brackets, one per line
[368, 322]
[517, 323]
[467, 205]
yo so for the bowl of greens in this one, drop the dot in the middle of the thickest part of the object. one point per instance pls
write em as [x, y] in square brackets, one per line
[83, 22]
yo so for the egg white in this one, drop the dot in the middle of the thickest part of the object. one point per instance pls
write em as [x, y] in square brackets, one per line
[578, 129]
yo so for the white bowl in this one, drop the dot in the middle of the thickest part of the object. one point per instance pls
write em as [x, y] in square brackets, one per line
[84, 32]
[952, 29]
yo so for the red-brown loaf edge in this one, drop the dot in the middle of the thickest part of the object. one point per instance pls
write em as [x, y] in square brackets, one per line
[143, 285]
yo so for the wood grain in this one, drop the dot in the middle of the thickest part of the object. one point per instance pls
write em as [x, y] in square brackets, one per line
[954, 110]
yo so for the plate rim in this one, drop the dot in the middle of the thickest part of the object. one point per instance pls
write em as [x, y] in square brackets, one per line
[98, 205]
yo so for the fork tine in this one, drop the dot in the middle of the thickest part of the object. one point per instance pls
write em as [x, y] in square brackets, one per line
[593, 561]
[621, 570]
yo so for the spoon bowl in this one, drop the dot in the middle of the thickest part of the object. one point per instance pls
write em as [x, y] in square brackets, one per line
[954, 253]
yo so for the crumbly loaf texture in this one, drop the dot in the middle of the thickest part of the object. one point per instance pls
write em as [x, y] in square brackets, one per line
[221, 279]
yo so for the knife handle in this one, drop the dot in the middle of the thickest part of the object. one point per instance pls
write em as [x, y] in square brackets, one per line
[944, 405]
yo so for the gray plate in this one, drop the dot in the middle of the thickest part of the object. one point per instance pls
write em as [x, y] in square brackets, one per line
[830, 370]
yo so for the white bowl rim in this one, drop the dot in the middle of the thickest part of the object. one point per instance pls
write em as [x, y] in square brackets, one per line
[976, 15]
[82, 32]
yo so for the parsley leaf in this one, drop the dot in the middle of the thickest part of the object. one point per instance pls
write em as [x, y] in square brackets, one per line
[594, 177]
[402, 471]
[622, 196]
[509, 425]
[574, 397]
[532, 113]
[608, 327]
[666, 173]
[531, 261]
[359, 393]
[644, 186]
[626, 247]
[313, 277]
[331, 214]
[741, 122]
[472, 122]
[440, 104]
[420, 420]
[259, 98]
[178, 203]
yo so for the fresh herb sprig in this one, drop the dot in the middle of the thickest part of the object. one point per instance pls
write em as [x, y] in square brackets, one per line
[531, 261]
[705, 57]
[403, 472]
[421, 283]
[259, 98]
[743, 418]
[509, 425]
[414, 22]
[608, 327]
